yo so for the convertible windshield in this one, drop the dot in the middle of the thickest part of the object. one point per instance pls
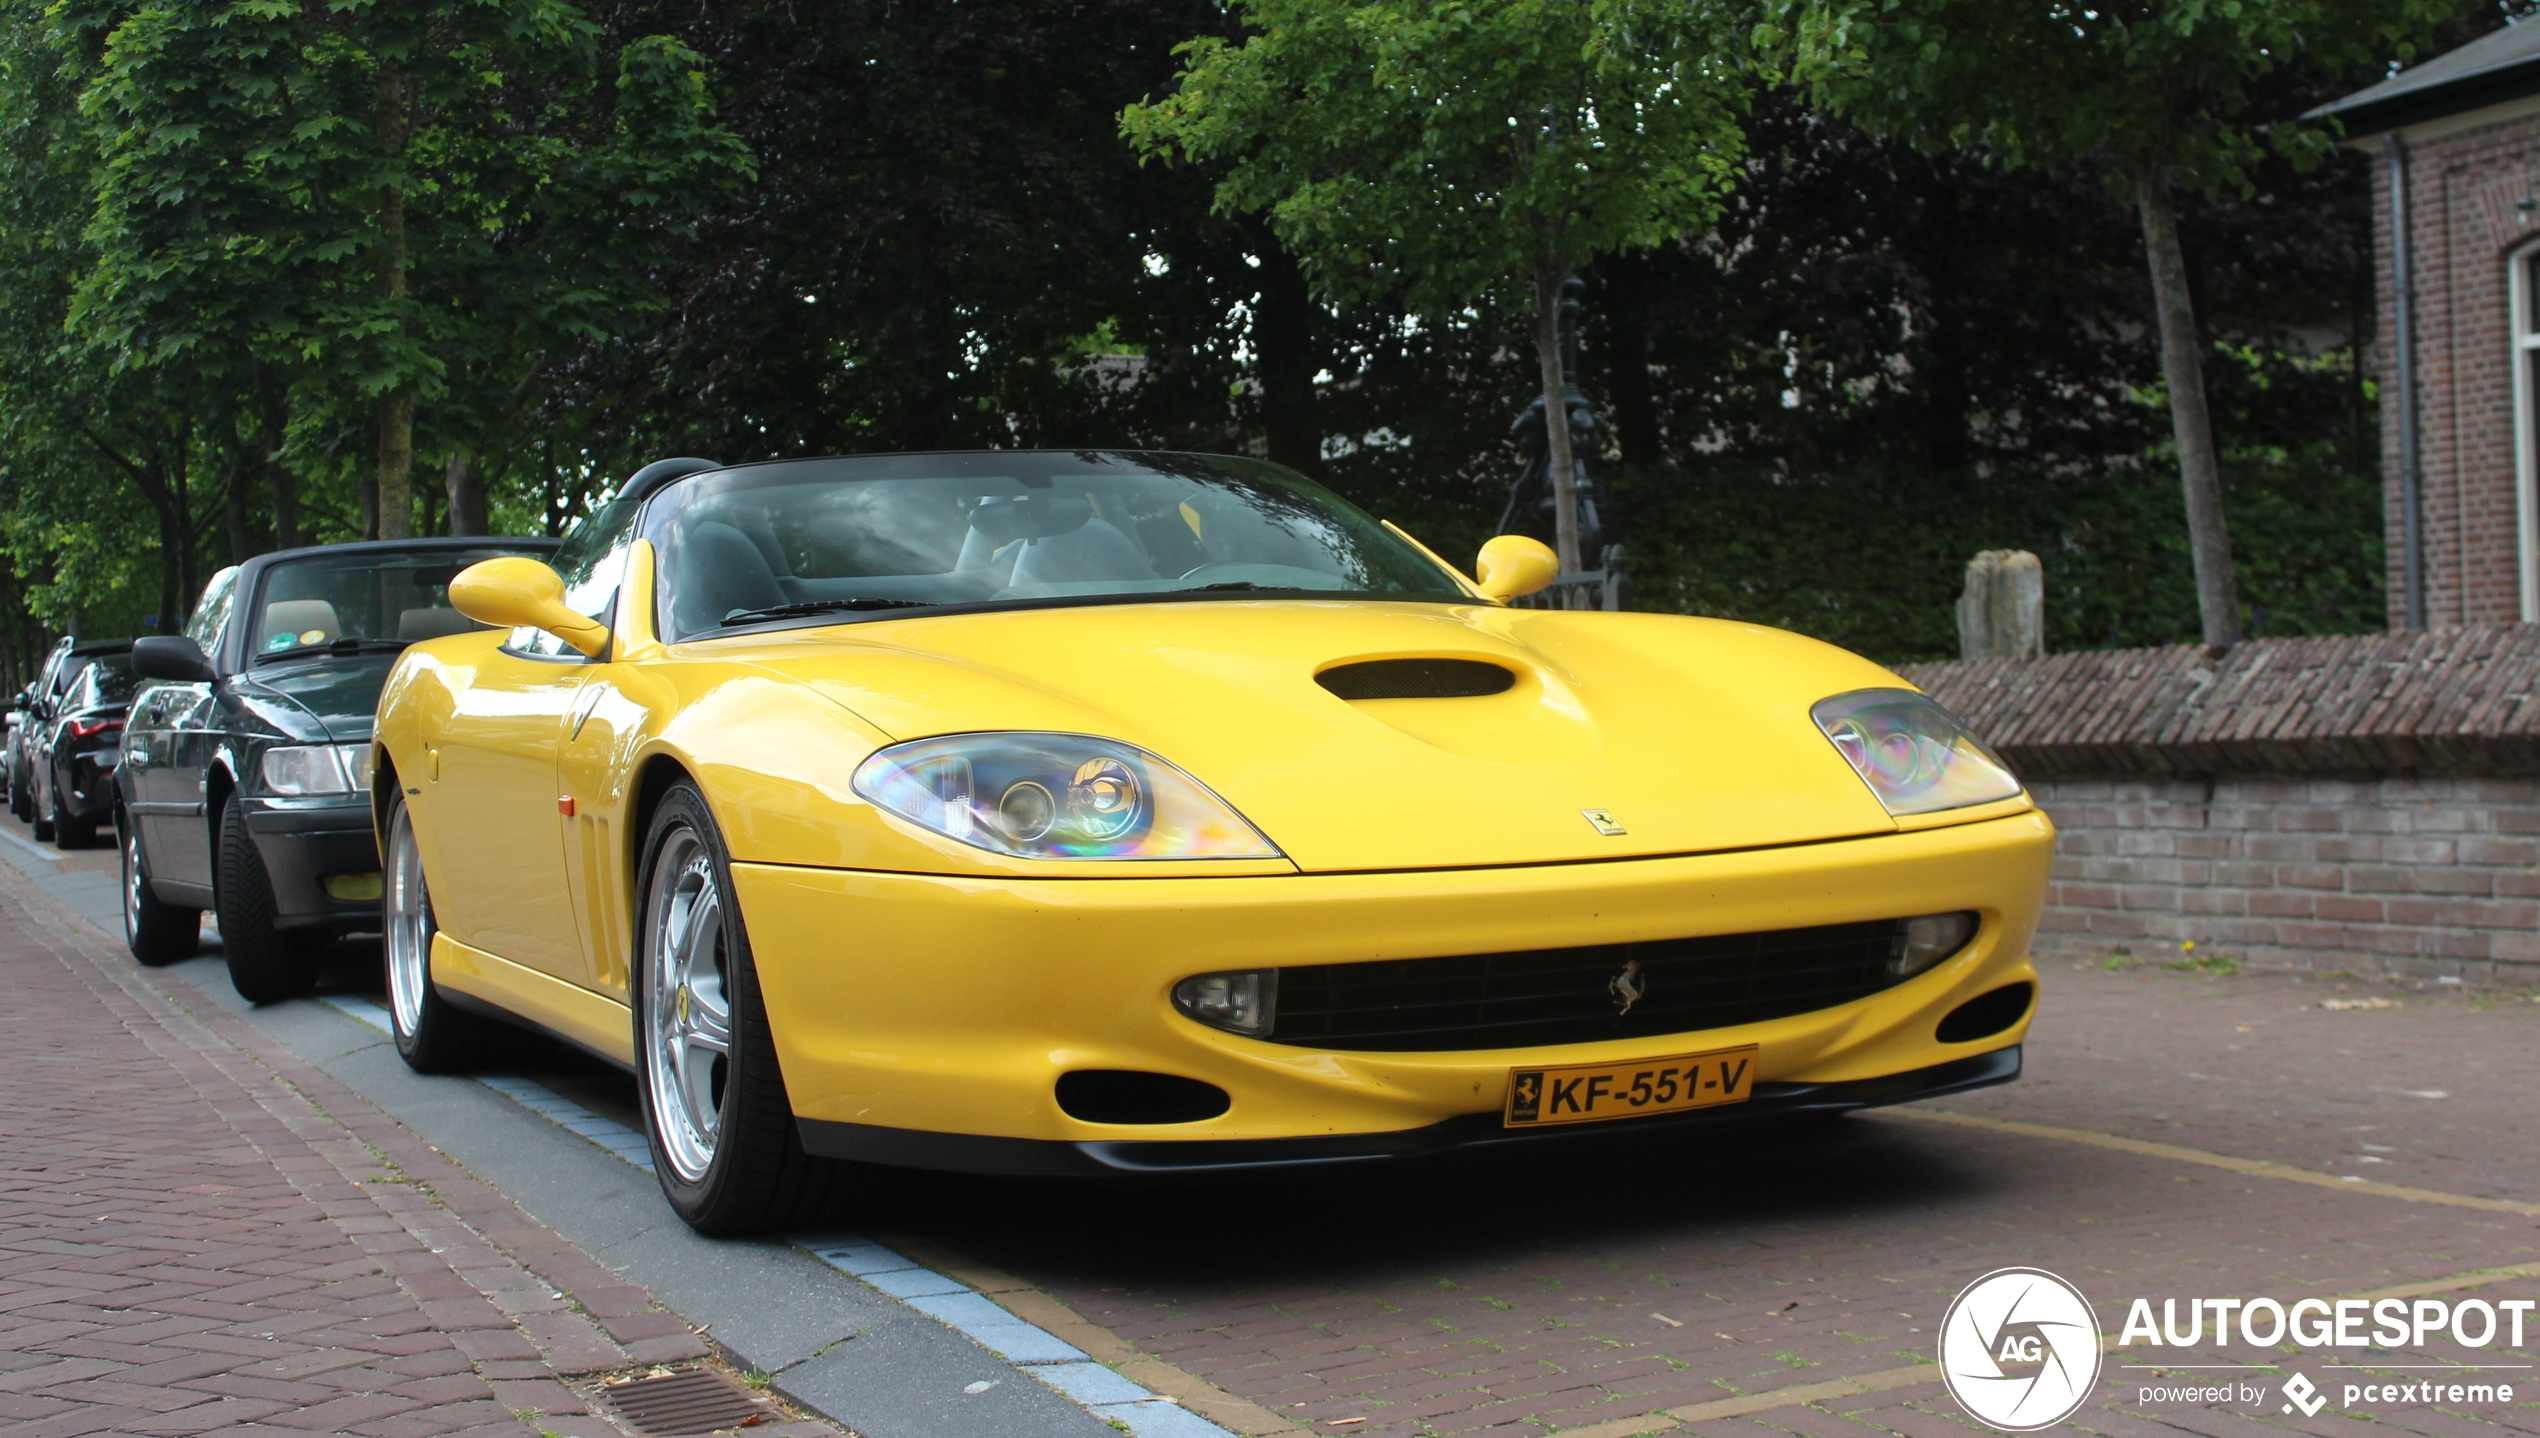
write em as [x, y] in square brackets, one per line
[346, 603]
[902, 534]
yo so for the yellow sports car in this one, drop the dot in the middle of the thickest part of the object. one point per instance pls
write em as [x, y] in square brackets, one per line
[1097, 812]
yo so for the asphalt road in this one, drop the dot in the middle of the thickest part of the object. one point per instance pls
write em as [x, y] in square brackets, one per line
[2180, 1135]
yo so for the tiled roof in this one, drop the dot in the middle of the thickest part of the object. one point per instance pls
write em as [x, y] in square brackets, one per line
[2451, 700]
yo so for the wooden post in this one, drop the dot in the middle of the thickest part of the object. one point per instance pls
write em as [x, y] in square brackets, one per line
[2002, 615]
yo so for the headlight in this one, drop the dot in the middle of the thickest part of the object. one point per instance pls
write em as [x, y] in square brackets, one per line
[1915, 756]
[305, 769]
[1056, 796]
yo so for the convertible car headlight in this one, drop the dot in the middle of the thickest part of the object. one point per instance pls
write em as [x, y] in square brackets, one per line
[301, 770]
[1915, 756]
[1056, 796]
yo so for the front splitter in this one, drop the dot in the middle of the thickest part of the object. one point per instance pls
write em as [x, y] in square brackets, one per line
[1059, 1158]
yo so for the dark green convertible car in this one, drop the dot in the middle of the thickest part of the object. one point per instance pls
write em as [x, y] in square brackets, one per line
[245, 782]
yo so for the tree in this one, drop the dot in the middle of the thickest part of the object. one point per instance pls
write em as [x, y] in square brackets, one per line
[1438, 149]
[2159, 90]
[395, 202]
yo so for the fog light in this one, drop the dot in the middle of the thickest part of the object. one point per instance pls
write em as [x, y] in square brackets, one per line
[352, 887]
[1244, 1003]
[1923, 942]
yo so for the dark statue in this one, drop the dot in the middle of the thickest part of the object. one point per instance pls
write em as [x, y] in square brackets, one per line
[1531, 505]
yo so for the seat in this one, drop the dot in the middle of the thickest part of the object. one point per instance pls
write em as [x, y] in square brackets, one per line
[1092, 551]
[715, 570]
[298, 624]
[414, 624]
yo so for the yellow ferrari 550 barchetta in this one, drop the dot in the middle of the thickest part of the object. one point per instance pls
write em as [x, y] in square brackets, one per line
[1099, 812]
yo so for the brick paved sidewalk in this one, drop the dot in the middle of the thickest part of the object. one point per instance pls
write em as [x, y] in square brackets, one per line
[199, 1232]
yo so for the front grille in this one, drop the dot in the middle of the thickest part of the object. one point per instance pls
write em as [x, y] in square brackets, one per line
[1566, 996]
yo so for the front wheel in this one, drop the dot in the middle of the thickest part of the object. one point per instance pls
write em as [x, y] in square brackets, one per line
[157, 932]
[433, 1036]
[722, 1129]
[266, 964]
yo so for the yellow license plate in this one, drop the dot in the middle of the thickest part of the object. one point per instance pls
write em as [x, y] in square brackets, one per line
[1590, 1093]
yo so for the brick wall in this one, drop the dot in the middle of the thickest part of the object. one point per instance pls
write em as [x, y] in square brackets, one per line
[2464, 190]
[2423, 877]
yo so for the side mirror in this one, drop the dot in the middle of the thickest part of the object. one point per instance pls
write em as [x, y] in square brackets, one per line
[1513, 566]
[171, 656]
[514, 591]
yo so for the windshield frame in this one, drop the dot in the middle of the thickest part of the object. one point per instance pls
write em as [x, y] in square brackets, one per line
[237, 651]
[664, 504]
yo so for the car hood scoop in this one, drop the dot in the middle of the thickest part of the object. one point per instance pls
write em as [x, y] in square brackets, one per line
[1417, 679]
[1365, 736]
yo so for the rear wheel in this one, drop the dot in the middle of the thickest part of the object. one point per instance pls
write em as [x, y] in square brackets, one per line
[715, 1107]
[433, 1036]
[70, 832]
[156, 932]
[266, 964]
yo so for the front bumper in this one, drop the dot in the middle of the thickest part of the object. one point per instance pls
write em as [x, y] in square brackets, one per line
[911, 1007]
[304, 844]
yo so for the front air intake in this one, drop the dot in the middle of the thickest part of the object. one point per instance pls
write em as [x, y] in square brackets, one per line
[1417, 679]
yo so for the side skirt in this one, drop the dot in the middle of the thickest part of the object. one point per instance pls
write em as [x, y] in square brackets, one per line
[489, 984]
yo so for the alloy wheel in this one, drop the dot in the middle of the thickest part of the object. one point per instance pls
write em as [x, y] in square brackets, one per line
[131, 847]
[687, 1008]
[409, 925]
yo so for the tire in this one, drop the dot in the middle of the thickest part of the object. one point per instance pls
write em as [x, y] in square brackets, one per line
[433, 1035]
[722, 1129]
[266, 964]
[157, 932]
[39, 814]
[70, 833]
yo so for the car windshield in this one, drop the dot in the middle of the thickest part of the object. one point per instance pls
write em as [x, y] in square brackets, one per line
[346, 603]
[903, 533]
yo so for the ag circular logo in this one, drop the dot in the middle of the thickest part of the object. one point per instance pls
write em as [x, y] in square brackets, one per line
[2020, 1349]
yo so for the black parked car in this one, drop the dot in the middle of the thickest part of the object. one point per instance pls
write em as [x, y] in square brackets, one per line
[246, 775]
[77, 752]
[43, 727]
[31, 703]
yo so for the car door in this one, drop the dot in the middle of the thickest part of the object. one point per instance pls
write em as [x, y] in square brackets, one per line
[168, 747]
[498, 828]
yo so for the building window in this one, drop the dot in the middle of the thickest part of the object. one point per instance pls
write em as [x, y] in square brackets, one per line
[2523, 295]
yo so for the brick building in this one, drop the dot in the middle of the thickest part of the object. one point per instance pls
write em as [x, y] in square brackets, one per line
[2460, 320]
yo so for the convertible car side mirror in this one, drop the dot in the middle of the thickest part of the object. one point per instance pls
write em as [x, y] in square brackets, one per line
[171, 656]
[1513, 566]
[514, 591]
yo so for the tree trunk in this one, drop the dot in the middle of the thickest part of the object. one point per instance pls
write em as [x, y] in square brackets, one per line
[465, 484]
[396, 411]
[396, 469]
[273, 418]
[2182, 365]
[1556, 417]
[1283, 337]
[234, 520]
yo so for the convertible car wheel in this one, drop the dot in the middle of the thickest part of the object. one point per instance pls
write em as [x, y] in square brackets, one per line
[266, 964]
[155, 931]
[433, 1035]
[723, 1134]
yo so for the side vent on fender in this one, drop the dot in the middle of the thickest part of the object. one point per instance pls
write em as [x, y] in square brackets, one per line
[1417, 679]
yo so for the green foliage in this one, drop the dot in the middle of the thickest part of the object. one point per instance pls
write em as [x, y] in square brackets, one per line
[1872, 557]
[2169, 80]
[1435, 149]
